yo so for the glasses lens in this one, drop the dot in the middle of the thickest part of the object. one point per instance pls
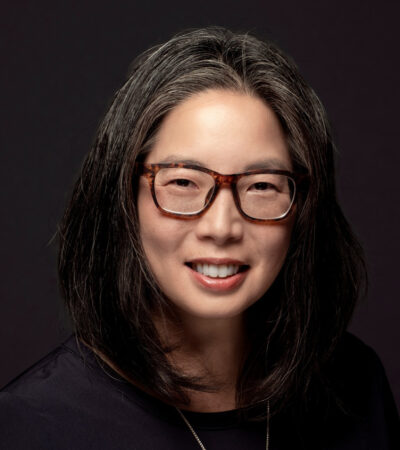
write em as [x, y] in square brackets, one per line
[181, 190]
[187, 191]
[266, 196]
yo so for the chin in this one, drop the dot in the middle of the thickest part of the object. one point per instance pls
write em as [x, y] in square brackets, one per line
[212, 311]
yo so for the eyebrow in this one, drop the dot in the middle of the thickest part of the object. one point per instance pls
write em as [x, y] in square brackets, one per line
[268, 163]
[178, 159]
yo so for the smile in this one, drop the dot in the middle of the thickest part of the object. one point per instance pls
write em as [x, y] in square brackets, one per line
[218, 277]
[216, 271]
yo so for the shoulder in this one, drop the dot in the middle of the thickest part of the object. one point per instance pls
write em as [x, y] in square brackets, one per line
[357, 370]
[70, 400]
[350, 404]
[63, 367]
[368, 409]
[356, 365]
[50, 402]
[42, 380]
[352, 352]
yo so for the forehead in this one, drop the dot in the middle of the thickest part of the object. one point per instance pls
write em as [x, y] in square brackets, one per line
[223, 130]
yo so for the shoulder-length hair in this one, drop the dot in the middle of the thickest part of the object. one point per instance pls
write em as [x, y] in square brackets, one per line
[108, 287]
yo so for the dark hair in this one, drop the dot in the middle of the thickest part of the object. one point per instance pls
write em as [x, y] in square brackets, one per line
[108, 287]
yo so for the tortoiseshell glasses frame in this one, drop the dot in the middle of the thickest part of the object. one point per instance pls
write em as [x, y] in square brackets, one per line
[150, 171]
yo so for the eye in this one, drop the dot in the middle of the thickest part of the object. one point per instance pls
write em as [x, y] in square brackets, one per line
[182, 182]
[263, 186]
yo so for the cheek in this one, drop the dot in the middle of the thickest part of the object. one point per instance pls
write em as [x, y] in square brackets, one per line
[159, 240]
[276, 241]
[160, 235]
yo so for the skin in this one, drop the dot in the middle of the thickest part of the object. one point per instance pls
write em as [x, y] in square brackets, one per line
[225, 131]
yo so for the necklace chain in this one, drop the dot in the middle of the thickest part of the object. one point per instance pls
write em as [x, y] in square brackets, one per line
[202, 445]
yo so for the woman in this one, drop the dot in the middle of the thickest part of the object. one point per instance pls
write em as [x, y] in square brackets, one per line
[208, 271]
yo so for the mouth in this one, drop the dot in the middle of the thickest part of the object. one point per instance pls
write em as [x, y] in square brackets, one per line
[217, 270]
[218, 275]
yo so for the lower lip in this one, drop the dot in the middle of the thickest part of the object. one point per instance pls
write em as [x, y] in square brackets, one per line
[219, 284]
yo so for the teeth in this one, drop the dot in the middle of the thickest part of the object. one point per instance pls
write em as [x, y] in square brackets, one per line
[214, 271]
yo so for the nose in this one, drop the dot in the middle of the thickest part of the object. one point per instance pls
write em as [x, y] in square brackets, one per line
[222, 222]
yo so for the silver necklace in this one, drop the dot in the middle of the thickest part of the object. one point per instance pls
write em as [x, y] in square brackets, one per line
[202, 445]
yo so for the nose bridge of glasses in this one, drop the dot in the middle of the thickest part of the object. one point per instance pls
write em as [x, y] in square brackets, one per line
[224, 180]
[221, 181]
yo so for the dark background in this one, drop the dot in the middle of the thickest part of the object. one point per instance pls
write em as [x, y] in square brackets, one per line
[61, 63]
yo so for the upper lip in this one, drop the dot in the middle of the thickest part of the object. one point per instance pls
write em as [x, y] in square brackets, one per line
[217, 261]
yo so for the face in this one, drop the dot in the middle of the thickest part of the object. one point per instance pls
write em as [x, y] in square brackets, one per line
[223, 131]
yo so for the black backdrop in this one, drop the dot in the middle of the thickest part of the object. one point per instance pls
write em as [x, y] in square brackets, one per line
[60, 64]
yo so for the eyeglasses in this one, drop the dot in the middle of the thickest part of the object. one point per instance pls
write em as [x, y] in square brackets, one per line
[187, 191]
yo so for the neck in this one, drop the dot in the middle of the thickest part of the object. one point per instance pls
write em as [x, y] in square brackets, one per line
[212, 349]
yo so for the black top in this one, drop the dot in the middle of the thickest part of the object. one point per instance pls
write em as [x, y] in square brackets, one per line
[70, 401]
